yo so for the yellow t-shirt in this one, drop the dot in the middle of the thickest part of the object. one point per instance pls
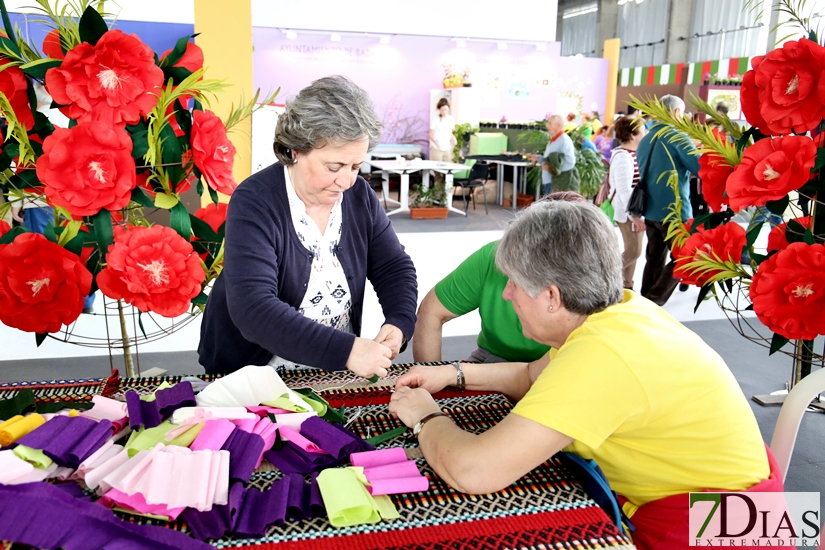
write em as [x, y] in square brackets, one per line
[651, 403]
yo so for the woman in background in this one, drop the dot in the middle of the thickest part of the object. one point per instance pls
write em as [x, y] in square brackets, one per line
[442, 139]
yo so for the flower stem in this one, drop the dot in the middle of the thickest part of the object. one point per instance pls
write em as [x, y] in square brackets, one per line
[127, 347]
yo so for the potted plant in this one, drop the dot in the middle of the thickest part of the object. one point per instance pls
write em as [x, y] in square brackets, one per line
[428, 204]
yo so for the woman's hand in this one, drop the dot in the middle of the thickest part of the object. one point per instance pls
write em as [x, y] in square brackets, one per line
[411, 405]
[392, 337]
[431, 378]
[368, 358]
[638, 223]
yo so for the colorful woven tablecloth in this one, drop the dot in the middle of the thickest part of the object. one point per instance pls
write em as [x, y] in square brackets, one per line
[545, 509]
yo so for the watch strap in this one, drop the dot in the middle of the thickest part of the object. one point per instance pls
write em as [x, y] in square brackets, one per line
[459, 376]
[424, 420]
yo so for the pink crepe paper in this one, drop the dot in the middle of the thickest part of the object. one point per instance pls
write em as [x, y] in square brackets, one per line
[246, 424]
[263, 410]
[138, 504]
[213, 435]
[13, 467]
[407, 468]
[296, 438]
[380, 457]
[106, 409]
[398, 485]
[293, 420]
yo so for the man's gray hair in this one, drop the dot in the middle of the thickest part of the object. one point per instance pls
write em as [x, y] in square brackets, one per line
[556, 119]
[332, 109]
[672, 102]
[567, 244]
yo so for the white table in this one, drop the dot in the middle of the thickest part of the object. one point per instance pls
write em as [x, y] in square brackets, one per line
[404, 169]
[517, 181]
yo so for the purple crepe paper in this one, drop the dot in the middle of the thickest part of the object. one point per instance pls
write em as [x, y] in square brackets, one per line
[292, 459]
[68, 440]
[262, 508]
[218, 521]
[44, 516]
[334, 439]
[150, 414]
[244, 451]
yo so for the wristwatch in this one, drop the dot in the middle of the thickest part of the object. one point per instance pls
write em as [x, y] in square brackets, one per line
[420, 424]
[459, 376]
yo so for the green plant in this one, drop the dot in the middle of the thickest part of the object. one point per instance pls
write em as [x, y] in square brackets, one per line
[427, 198]
[461, 133]
[592, 171]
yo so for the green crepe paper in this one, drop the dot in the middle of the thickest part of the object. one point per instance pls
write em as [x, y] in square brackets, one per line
[186, 438]
[386, 436]
[386, 507]
[151, 396]
[318, 403]
[21, 403]
[373, 379]
[284, 403]
[143, 440]
[336, 415]
[33, 456]
[346, 499]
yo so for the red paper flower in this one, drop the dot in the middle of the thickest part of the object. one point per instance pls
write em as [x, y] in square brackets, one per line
[42, 285]
[213, 153]
[113, 81]
[770, 169]
[51, 45]
[724, 242]
[213, 215]
[777, 239]
[790, 87]
[154, 269]
[750, 97]
[191, 60]
[14, 85]
[87, 168]
[788, 291]
[5, 228]
[714, 172]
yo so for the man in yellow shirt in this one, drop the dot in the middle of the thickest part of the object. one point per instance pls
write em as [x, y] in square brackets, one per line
[627, 385]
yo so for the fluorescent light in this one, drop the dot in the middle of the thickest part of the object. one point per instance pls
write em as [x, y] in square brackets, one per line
[385, 39]
[335, 37]
[541, 47]
[591, 8]
[502, 45]
[292, 35]
[461, 43]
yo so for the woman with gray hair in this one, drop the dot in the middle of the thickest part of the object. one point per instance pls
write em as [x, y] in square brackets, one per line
[302, 237]
[626, 385]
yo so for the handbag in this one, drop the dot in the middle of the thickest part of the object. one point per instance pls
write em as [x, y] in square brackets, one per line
[638, 199]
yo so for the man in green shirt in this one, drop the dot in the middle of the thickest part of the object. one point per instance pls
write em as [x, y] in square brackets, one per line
[475, 284]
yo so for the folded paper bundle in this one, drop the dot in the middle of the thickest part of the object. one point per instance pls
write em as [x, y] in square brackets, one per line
[150, 414]
[249, 387]
[389, 472]
[17, 426]
[347, 501]
[68, 441]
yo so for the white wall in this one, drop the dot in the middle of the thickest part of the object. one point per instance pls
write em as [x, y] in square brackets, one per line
[528, 20]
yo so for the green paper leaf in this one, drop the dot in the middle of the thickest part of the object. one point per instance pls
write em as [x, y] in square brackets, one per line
[140, 324]
[140, 143]
[167, 202]
[75, 245]
[808, 237]
[9, 29]
[777, 342]
[335, 415]
[104, 235]
[177, 52]
[92, 26]
[200, 299]
[70, 232]
[50, 233]
[12, 234]
[753, 233]
[140, 197]
[703, 292]
[778, 207]
[373, 379]
[698, 221]
[40, 337]
[386, 436]
[213, 195]
[820, 160]
[37, 68]
[179, 220]
[202, 230]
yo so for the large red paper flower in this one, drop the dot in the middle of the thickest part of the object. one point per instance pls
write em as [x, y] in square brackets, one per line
[191, 60]
[770, 169]
[154, 269]
[14, 86]
[114, 81]
[777, 238]
[750, 97]
[790, 87]
[51, 45]
[42, 284]
[213, 215]
[714, 172]
[724, 242]
[213, 153]
[87, 168]
[788, 291]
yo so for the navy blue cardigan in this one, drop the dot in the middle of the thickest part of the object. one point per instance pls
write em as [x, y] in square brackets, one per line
[252, 311]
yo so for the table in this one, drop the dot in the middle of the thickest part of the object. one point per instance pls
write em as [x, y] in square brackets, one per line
[517, 181]
[546, 508]
[405, 168]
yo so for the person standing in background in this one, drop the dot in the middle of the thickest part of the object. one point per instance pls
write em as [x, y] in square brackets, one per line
[558, 165]
[442, 139]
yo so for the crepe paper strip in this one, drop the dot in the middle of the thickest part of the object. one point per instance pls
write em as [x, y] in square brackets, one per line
[386, 436]
[398, 486]
[188, 436]
[283, 402]
[293, 459]
[136, 503]
[16, 427]
[407, 468]
[268, 431]
[294, 420]
[35, 457]
[334, 439]
[248, 387]
[62, 407]
[75, 524]
[13, 467]
[106, 409]
[152, 396]
[213, 435]
[21, 403]
[94, 477]
[167, 401]
[297, 439]
[244, 450]
[386, 507]
[381, 457]
[143, 440]
[61, 473]
[36, 475]
[108, 451]
[318, 403]
[74, 490]
[336, 415]
[220, 520]
[346, 500]
[373, 379]
[193, 415]
[68, 441]
[263, 410]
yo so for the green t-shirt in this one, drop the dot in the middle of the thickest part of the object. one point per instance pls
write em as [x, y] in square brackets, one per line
[477, 283]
